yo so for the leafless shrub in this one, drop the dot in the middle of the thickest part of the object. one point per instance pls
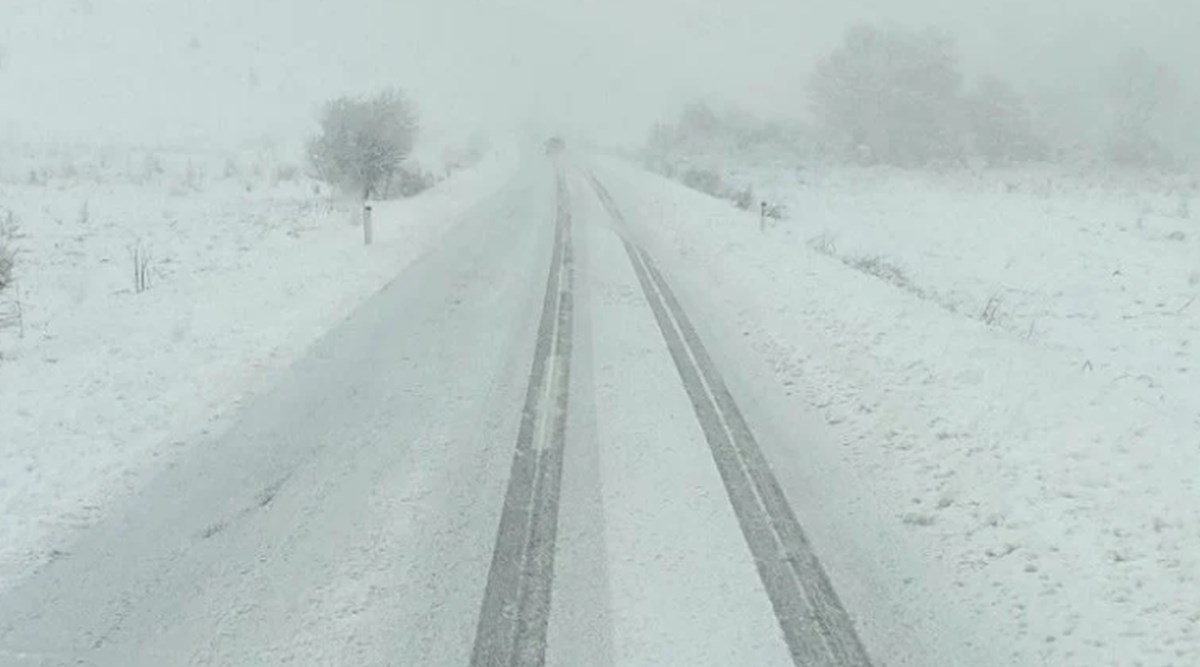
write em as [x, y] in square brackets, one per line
[8, 261]
[704, 180]
[8, 250]
[12, 313]
[882, 268]
[409, 182]
[992, 314]
[141, 259]
[8, 280]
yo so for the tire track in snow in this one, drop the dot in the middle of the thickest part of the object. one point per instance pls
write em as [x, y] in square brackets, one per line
[816, 627]
[515, 613]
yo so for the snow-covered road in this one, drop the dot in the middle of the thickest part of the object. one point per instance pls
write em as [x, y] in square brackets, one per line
[347, 515]
[412, 493]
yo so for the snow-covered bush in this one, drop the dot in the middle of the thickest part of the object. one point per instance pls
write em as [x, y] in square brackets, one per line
[992, 313]
[8, 251]
[699, 132]
[775, 211]
[744, 198]
[8, 260]
[704, 180]
[882, 268]
[410, 182]
[363, 141]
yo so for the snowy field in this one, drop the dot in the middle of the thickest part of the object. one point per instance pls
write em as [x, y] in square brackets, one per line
[247, 263]
[1006, 364]
[1003, 364]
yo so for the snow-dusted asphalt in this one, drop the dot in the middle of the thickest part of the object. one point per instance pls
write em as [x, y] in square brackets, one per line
[518, 453]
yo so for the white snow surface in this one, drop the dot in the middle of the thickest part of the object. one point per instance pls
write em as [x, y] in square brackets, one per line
[682, 583]
[1034, 477]
[248, 268]
[1018, 491]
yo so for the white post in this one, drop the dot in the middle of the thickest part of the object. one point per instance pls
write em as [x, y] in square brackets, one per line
[762, 217]
[368, 232]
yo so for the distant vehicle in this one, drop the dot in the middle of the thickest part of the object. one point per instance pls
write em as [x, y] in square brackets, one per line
[555, 145]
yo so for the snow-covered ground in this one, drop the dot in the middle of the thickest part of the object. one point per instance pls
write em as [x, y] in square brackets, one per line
[1006, 363]
[248, 264]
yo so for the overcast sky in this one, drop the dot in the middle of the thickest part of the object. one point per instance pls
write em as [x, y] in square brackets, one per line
[205, 71]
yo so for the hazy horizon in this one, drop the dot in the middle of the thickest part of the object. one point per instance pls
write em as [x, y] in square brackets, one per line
[225, 72]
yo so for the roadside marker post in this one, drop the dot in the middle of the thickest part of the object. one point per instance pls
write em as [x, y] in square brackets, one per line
[368, 231]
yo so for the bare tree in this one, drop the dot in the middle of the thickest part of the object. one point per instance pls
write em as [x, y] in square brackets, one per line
[363, 141]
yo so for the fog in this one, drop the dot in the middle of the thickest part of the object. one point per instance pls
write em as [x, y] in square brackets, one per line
[228, 71]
